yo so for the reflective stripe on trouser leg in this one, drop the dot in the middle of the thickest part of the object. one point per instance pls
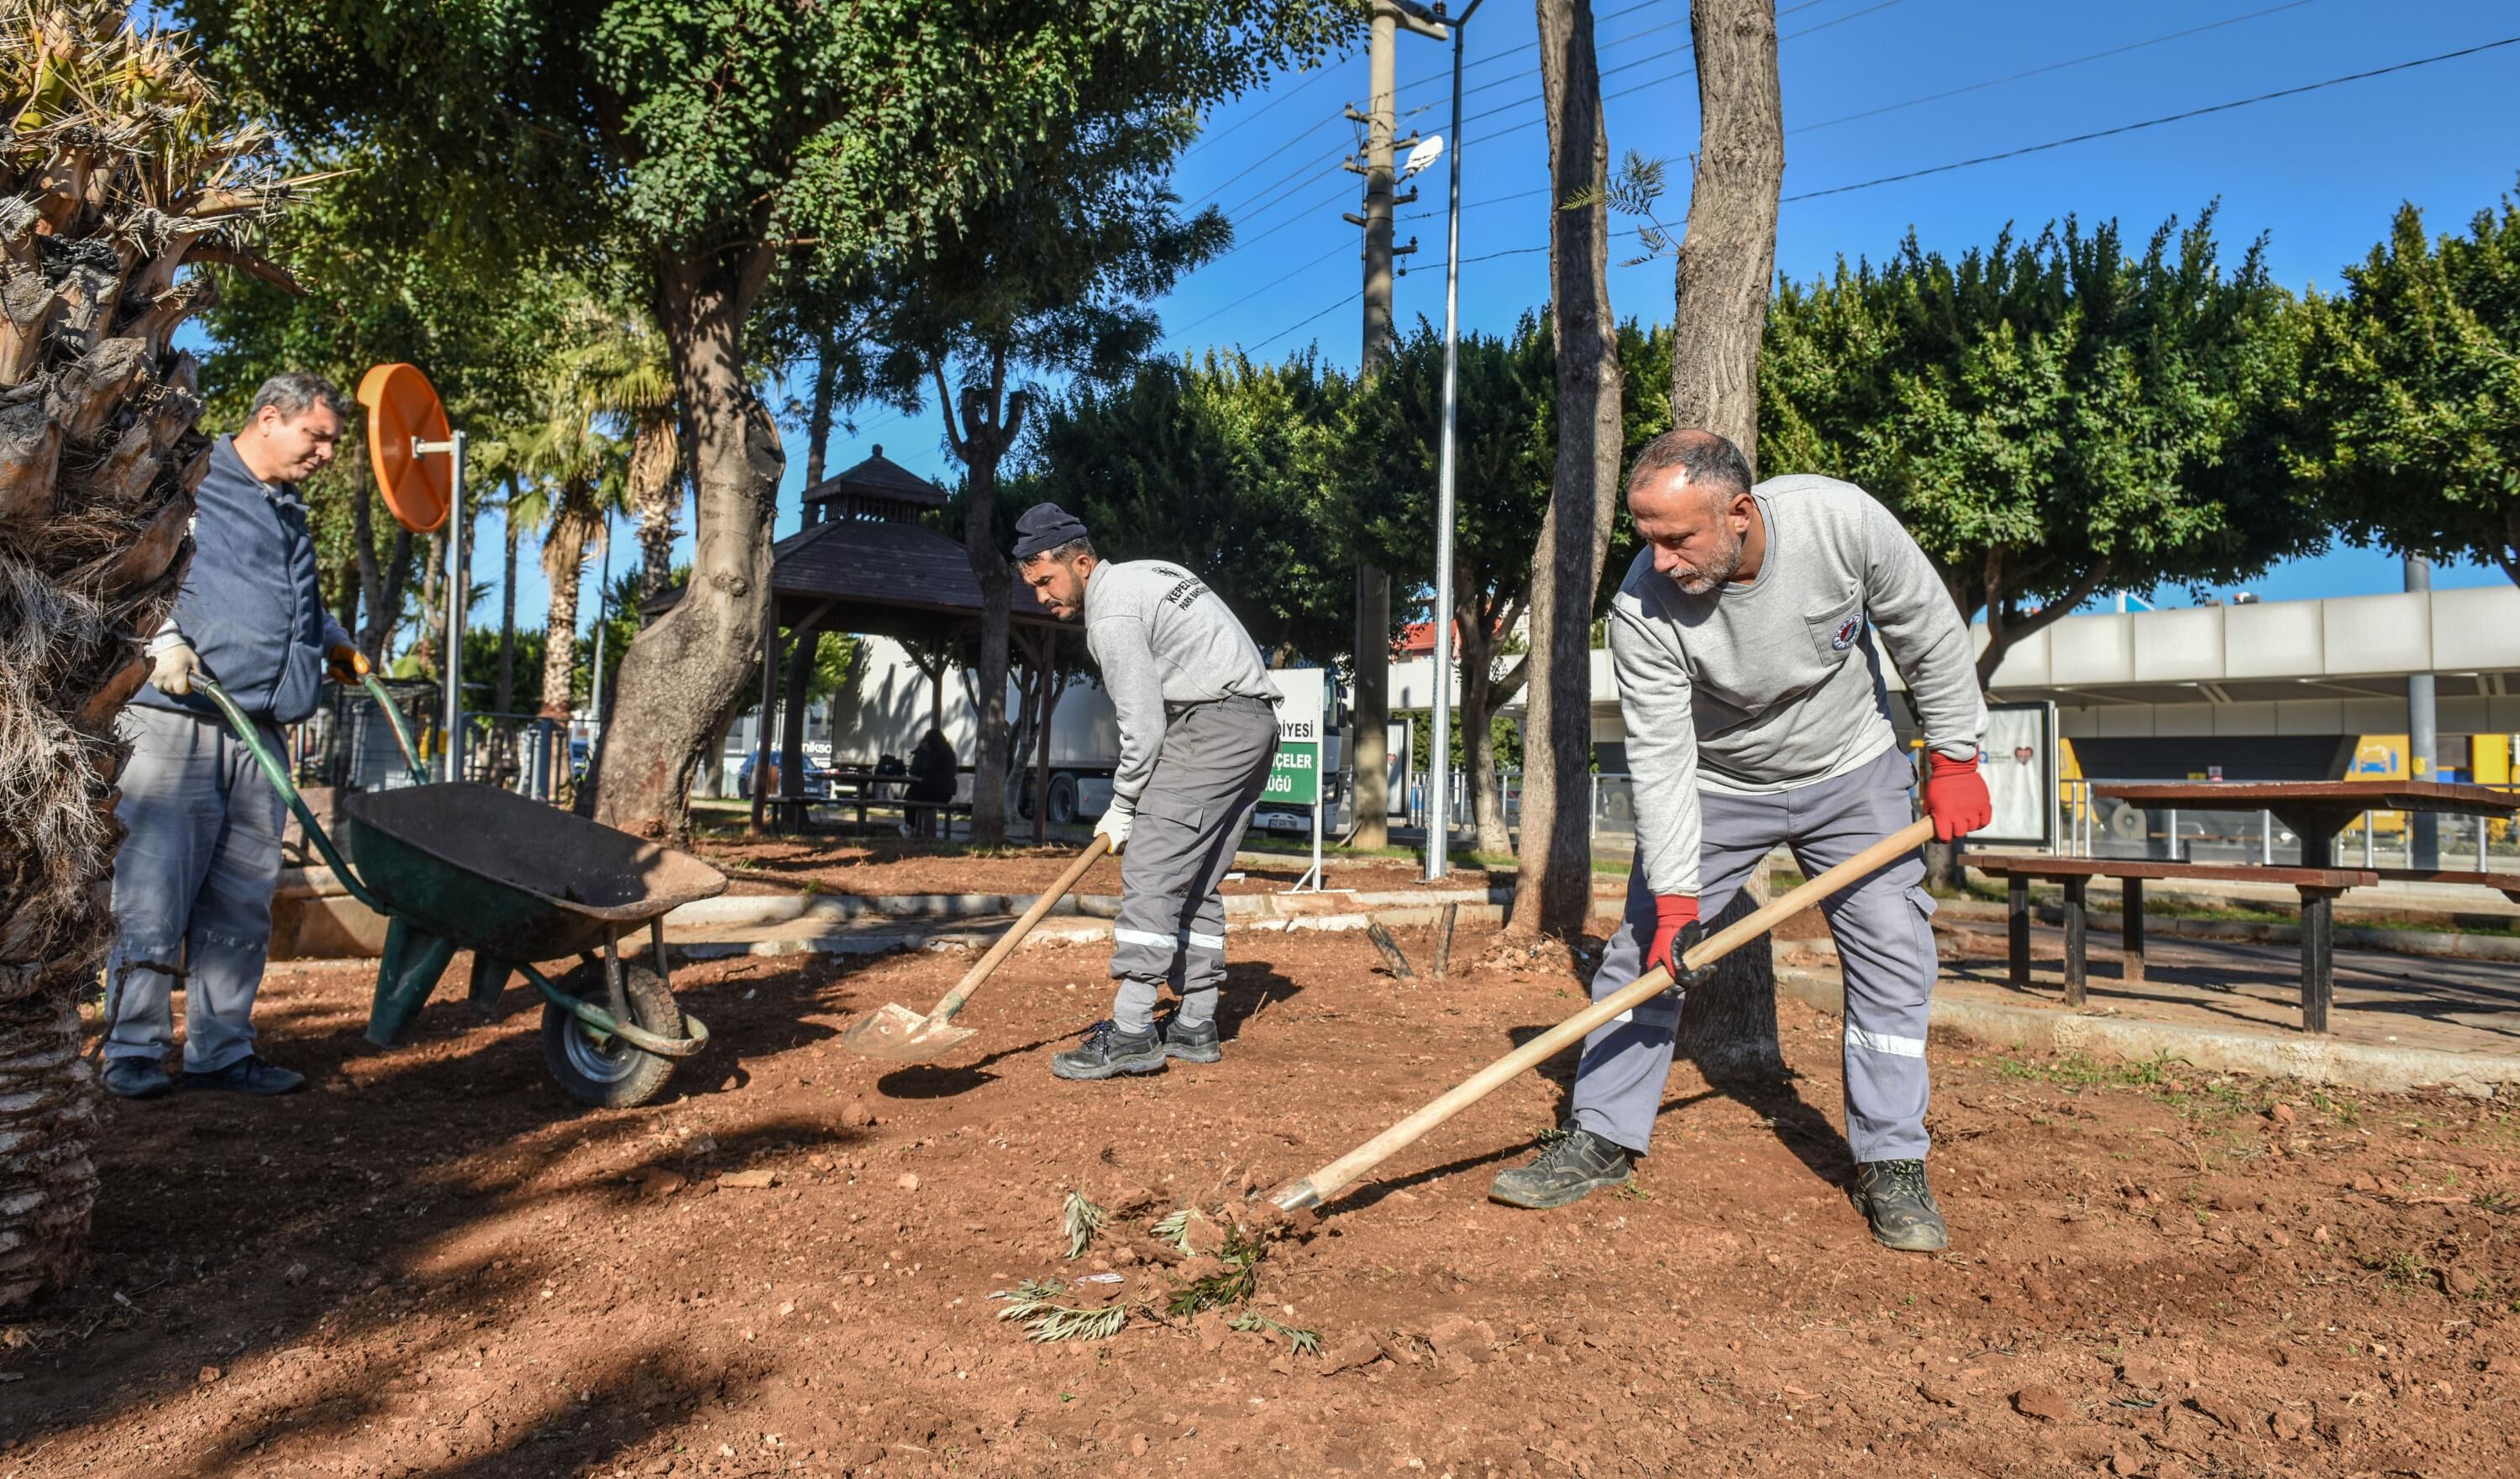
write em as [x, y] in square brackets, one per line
[1885, 943]
[1619, 1081]
[1171, 926]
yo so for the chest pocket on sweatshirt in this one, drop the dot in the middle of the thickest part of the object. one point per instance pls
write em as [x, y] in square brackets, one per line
[1835, 633]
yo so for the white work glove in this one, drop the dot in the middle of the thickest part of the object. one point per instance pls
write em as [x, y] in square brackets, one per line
[176, 664]
[1116, 822]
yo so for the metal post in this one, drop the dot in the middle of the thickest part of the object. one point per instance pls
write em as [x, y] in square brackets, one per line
[2174, 834]
[2423, 828]
[451, 754]
[2480, 844]
[1439, 825]
[2265, 838]
[2368, 860]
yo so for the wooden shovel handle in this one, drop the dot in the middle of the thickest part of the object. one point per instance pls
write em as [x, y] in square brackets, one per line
[1336, 1177]
[952, 1002]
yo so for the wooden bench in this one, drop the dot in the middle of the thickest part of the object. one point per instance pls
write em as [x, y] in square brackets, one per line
[2318, 887]
[2503, 883]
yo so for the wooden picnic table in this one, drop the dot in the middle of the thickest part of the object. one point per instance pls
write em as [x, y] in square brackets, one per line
[2316, 811]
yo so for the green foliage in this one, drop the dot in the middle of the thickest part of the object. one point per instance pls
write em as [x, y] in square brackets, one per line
[2411, 431]
[1232, 1285]
[1213, 464]
[1302, 1342]
[704, 130]
[2049, 419]
[482, 665]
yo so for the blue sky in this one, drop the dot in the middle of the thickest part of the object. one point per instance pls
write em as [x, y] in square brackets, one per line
[2318, 175]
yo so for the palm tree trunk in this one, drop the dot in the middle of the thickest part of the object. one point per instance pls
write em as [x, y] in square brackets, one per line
[656, 496]
[818, 414]
[505, 699]
[1553, 885]
[563, 562]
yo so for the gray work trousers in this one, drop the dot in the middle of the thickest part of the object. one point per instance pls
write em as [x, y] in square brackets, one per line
[1885, 941]
[1171, 926]
[192, 889]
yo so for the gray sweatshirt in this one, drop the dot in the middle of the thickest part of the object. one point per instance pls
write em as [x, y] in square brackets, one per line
[1775, 685]
[1164, 641]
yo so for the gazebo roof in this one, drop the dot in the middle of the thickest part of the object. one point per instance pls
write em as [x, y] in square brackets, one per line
[882, 580]
[878, 477]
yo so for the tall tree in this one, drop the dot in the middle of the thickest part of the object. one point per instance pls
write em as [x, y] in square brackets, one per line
[620, 370]
[580, 479]
[1383, 466]
[1553, 889]
[2051, 419]
[1052, 275]
[2411, 431]
[1219, 465]
[1719, 313]
[115, 175]
[702, 146]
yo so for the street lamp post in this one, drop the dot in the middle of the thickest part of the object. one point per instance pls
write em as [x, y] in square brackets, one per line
[1439, 753]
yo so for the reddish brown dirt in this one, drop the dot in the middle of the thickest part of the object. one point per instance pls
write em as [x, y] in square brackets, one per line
[880, 866]
[433, 1265]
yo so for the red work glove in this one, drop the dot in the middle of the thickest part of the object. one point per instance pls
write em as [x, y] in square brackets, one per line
[1673, 915]
[1955, 796]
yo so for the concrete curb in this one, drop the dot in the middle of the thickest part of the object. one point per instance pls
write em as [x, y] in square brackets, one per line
[2444, 943]
[2316, 1060]
[1072, 930]
[739, 911]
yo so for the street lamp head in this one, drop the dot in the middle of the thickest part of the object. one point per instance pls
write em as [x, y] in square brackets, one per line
[1428, 151]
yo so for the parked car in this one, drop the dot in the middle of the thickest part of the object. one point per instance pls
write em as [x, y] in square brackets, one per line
[818, 779]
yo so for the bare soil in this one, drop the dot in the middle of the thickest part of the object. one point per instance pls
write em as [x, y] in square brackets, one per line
[433, 1264]
[884, 866]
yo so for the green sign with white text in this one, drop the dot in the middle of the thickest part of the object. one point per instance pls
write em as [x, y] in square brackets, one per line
[1294, 776]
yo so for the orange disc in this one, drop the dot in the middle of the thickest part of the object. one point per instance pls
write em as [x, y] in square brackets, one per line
[402, 405]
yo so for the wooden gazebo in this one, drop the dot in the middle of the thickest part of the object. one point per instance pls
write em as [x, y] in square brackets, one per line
[863, 564]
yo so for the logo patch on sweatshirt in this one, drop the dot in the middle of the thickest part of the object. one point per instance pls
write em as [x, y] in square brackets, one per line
[1847, 631]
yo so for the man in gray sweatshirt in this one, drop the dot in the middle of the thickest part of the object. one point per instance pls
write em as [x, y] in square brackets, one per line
[1198, 729]
[1742, 638]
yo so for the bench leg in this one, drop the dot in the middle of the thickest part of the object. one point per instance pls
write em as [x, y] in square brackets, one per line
[2075, 930]
[2130, 913]
[2016, 913]
[2317, 957]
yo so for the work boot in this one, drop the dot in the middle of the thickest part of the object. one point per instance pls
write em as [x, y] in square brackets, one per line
[1193, 1045]
[247, 1075]
[137, 1078]
[1576, 1163]
[1893, 1197]
[1107, 1050]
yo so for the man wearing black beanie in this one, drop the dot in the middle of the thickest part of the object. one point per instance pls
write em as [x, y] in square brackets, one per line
[1198, 728]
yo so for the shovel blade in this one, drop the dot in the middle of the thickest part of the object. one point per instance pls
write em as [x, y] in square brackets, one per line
[894, 1032]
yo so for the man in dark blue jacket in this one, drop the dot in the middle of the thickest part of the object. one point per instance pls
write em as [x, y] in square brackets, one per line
[192, 882]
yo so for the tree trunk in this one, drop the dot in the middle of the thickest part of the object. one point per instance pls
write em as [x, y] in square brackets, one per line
[504, 698]
[1720, 311]
[432, 610]
[688, 667]
[656, 496]
[818, 414]
[1729, 253]
[992, 419]
[564, 564]
[803, 643]
[1553, 890]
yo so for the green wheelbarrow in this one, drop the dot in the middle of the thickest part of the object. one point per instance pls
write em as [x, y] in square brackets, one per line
[456, 866]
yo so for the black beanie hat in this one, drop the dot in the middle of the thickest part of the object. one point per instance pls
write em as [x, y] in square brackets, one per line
[1045, 526]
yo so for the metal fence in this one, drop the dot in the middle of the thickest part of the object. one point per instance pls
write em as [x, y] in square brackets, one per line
[347, 743]
[2098, 827]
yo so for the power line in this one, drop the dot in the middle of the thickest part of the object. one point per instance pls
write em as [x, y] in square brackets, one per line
[2193, 113]
[1256, 291]
[2114, 51]
[1300, 323]
[1314, 73]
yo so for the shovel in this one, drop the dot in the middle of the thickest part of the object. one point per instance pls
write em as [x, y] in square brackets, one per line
[895, 1032]
[1336, 1177]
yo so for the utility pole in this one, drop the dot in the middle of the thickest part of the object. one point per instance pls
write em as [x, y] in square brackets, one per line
[1369, 759]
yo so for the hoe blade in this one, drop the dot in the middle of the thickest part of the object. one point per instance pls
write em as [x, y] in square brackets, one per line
[895, 1032]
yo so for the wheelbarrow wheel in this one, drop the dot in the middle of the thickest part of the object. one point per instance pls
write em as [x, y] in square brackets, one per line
[611, 1074]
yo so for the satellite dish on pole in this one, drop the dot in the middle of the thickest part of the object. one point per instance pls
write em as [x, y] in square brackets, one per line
[1428, 151]
[403, 410]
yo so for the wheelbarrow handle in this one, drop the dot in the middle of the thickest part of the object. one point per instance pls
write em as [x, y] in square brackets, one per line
[287, 790]
[402, 735]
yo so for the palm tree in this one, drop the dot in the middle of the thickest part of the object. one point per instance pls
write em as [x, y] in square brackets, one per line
[623, 371]
[114, 176]
[580, 479]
